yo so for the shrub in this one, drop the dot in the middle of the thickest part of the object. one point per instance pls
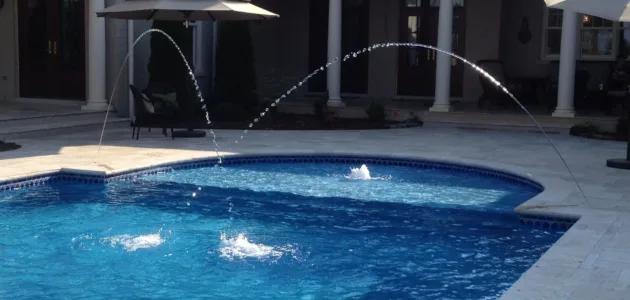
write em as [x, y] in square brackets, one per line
[320, 109]
[584, 129]
[376, 112]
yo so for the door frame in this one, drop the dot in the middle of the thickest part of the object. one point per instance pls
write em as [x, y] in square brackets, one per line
[424, 16]
[17, 61]
[317, 57]
[452, 96]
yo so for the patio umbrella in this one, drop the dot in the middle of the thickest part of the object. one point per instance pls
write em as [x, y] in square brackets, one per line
[186, 10]
[182, 10]
[616, 10]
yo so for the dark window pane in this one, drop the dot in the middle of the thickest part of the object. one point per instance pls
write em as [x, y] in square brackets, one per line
[414, 3]
[555, 18]
[553, 41]
[597, 42]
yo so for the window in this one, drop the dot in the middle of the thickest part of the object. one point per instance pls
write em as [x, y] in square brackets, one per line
[553, 32]
[598, 37]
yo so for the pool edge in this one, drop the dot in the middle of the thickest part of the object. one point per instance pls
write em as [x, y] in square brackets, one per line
[535, 217]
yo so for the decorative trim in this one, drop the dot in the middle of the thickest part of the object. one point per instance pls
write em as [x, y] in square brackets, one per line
[74, 176]
[551, 222]
[329, 158]
[69, 175]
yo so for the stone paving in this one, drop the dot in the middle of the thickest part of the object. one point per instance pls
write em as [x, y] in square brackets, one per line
[592, 260]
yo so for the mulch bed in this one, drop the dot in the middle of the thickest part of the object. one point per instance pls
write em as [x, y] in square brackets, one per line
[603, 136]
[8, 146]
[592, 132]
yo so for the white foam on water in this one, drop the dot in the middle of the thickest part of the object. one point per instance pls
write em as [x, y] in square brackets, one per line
[362, 173]
[240, 247]
[133, 243]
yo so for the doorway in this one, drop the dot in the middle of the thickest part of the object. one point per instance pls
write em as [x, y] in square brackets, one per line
[355, 36]
[52, 49]
[419, 21]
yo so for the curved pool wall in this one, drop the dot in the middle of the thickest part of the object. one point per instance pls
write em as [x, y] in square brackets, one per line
[90, 177]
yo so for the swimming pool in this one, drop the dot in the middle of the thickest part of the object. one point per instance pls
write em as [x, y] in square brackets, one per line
[272, 228]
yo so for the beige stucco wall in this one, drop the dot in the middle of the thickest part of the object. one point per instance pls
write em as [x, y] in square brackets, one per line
[8, 50]
[281, 47]
[526, 59]
[116, 33]
[483, 34]
[523, 59]
[483, 23]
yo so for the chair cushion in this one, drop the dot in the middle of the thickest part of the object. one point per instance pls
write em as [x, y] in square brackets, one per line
[148, 104]
[168, 100]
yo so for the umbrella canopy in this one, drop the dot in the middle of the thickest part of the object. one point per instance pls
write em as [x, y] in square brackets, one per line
[616, 10]
[186, 10]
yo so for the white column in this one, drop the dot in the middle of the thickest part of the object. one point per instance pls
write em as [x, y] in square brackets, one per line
[568, 55]
[443, 67]
[334, 51]
[96, 64]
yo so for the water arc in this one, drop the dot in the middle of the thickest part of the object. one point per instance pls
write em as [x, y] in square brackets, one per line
[475, 67]
[199, 95]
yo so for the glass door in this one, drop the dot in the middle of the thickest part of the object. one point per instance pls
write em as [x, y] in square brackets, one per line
[52, 49]
[419, 21]
[355, 36]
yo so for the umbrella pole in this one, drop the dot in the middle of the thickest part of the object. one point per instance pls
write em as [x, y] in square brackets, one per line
[623, 163]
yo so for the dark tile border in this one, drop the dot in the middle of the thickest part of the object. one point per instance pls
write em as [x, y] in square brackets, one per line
[77, 176]
[330, 158]
[561, 223]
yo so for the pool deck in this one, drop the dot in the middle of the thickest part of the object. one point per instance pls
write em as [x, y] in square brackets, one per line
[591, 261]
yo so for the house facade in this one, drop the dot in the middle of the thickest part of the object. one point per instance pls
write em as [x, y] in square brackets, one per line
[535, 44]
[59, 52]
[59, 49]
[53, 50]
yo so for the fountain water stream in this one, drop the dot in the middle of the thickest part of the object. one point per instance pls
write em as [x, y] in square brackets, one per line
[321, 69]
[475, 67]
[362, 173]
[199, 95]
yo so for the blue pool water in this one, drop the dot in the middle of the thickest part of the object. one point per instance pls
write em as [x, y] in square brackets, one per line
[269, 231]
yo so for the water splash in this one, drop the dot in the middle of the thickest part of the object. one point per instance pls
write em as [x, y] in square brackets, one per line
[132, 243]
[240, 247]
[475, 67]
[199, 95]
[362, 173]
